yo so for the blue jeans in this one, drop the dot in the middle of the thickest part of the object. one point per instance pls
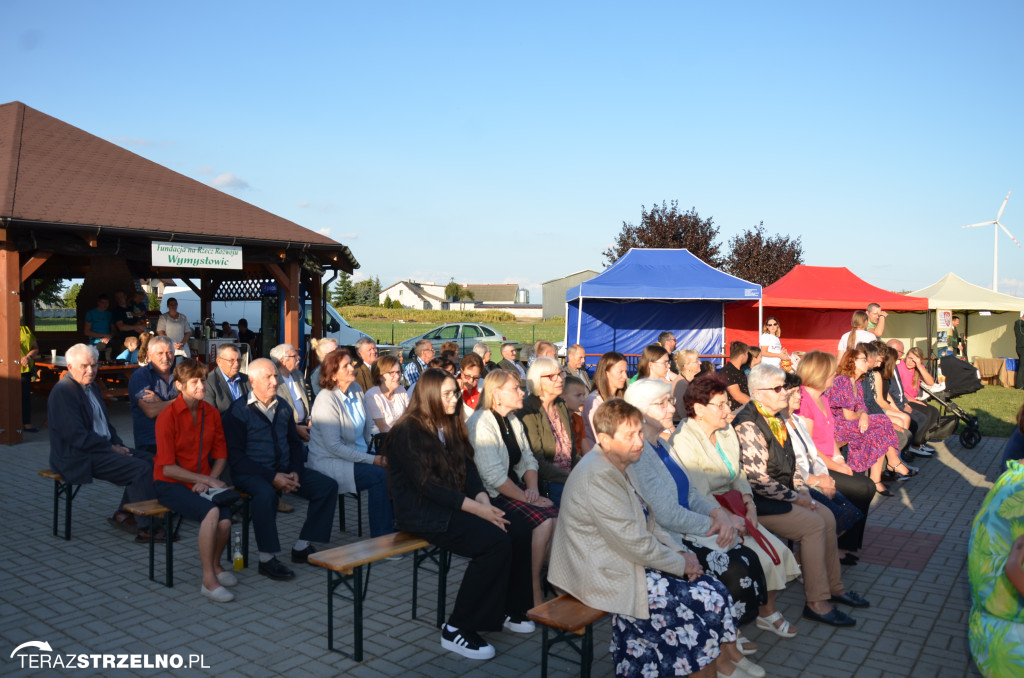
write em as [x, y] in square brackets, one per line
[555, 492]
[382, 513]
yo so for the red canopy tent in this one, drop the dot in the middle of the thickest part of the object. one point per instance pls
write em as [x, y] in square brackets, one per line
[813, 305]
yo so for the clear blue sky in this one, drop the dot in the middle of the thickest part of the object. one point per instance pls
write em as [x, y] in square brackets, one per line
[507, 142]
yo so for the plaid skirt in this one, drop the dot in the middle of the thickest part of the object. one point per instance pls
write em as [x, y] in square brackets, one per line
[533, 515]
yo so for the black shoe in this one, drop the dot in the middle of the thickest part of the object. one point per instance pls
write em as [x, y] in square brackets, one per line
[303, 555]
[911, 472]
[833, 618]
[466, 643]
[275, 570]
[850, 598]
[849, 558]
[884, 491]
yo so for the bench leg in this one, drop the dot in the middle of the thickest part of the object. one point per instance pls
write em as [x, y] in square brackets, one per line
[544, 648]
[587, 658]
[152, 550]
[169, 534]
[443, 563]
[69, 491]
[358, 586]
[357, 613]
[341, 512]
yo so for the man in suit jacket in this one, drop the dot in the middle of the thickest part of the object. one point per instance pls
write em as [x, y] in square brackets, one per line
[574, 359]
[509, 362]
[366, 348]
[225, 384]
[290, 385]
[85, 444]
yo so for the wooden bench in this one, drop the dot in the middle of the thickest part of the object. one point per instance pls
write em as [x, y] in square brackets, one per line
[344, 565]
[568, 617]
[61, 489]
[154, 510]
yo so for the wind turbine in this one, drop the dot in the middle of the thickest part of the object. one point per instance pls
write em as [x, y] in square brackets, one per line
[995, 255]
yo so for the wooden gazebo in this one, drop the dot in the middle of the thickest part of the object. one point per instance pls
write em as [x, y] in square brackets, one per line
[73, 205]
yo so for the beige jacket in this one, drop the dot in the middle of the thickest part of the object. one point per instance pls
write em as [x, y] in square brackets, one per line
[704, 466]
[603, 542]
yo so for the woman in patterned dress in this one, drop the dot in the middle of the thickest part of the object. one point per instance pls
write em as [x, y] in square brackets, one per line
[670, 619]
[871, 438]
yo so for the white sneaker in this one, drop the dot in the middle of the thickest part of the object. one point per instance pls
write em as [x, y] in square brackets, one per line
[227, 579]
[218, 595]
[466, 643]
[519, 625]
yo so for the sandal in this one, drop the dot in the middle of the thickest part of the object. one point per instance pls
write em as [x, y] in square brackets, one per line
[884, 491]
[745, 646]
[783, 630]
[123, 520]
[901, 476]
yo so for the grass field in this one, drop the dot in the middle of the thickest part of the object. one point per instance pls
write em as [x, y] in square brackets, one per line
[390, 332]
[996, 408]
[56, 325]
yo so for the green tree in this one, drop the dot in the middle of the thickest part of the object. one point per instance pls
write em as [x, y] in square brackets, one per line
[760, 258]
[51, 294]
[343, 294]
[387, 301]
[666, 227]
[70, 297]
[457, 292]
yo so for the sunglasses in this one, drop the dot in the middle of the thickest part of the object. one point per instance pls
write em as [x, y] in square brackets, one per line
[777, 389]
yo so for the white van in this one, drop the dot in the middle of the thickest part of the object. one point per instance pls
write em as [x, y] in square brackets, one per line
[231, 311]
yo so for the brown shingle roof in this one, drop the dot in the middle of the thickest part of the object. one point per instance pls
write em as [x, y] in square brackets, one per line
[53, 172]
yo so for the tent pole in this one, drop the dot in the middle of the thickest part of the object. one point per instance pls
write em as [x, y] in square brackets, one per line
[565, 336]
[579, 317]
[760, 320]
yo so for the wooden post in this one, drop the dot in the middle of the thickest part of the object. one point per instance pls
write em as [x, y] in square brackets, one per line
[292, 306]
[287, 277]
[10, 348]
[316, 303]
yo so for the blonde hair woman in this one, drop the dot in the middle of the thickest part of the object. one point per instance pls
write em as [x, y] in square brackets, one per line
[508, 468]
[772, 352]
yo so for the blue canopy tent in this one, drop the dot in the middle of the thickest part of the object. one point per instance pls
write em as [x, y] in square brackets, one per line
[649, 291]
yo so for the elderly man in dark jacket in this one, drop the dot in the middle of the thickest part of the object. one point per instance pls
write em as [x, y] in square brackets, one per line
[265, 456]
[84, 444]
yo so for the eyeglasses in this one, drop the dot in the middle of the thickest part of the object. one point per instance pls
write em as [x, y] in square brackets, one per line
[724, 405]
[557, 376]
[778, 389]
[860, 359]
[449, 395]
[394, 372]
[773, 324]
[293, 356]
[660, 362]
[230, 361]
[667, 402]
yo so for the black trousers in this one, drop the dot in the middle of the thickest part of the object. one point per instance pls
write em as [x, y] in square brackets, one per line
[322, 493]
[918, 427]
[931, 415]
[498, 580]
[859, 489]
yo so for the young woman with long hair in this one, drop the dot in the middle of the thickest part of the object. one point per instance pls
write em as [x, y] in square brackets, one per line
[438, 496]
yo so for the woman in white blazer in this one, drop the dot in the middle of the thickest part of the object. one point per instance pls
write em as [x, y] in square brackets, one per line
[339, 440]
[508, 468]
[609, 552]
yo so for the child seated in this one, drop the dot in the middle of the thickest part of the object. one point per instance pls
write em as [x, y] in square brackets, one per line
[130, 354]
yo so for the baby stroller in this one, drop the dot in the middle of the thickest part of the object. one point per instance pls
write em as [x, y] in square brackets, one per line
[961, 379]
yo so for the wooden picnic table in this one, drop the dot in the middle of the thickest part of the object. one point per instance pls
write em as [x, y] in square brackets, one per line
[112, 378]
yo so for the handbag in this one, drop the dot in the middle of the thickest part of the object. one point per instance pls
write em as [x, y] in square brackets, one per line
[732, 501]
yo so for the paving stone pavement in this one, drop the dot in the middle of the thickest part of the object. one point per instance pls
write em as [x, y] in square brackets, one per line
[91, 595]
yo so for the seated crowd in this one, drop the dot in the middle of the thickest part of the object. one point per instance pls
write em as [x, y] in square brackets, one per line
[664, 499]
